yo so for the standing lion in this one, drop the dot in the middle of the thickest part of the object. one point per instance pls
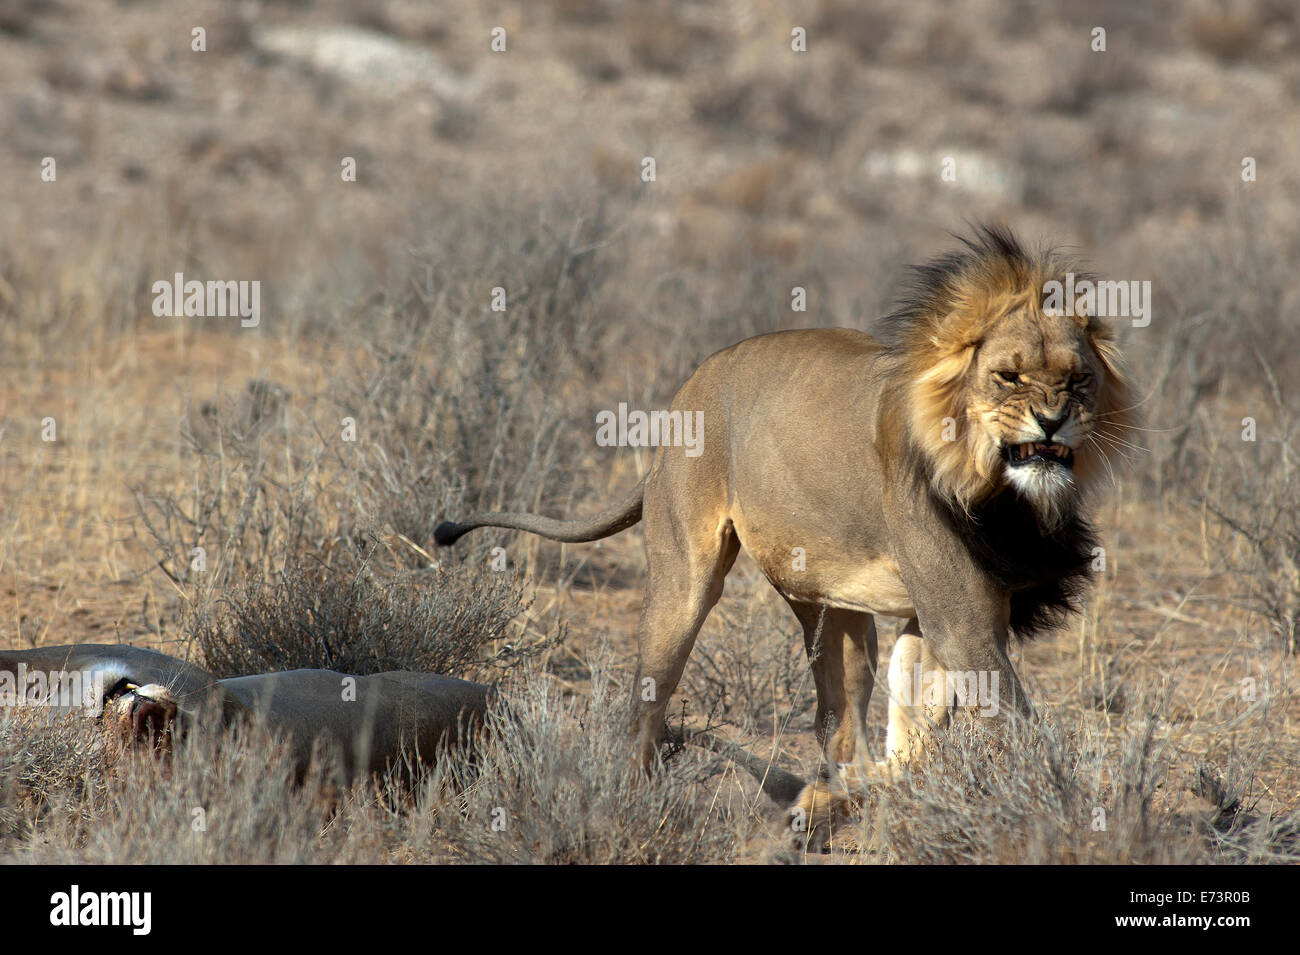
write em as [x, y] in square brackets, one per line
[937, 473]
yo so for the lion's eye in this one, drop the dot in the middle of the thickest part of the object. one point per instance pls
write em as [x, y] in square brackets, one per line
[1010, 377]
[1079, 378]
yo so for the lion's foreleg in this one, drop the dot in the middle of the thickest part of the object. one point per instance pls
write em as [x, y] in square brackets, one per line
[917, 707]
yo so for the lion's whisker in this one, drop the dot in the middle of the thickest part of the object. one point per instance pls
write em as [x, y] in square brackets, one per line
[1118, 443]
[1120, 411]
[1134, 427]
[1105, 459]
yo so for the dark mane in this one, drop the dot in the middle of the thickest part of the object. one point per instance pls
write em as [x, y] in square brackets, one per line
[937, 325]
[1047, 574]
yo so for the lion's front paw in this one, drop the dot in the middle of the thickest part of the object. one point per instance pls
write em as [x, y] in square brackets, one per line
[820, 808]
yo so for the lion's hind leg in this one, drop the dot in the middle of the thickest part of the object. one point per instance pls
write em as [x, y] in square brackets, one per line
[841, 646]
[689, 557]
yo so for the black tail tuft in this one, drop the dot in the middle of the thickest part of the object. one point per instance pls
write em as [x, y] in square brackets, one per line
[447, 533]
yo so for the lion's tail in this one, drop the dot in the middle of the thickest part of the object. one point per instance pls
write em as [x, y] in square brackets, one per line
[609, 521]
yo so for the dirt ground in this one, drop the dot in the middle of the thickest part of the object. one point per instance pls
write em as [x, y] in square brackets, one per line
[524, 170]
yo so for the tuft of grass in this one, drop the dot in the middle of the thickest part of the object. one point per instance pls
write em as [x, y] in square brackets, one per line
[230, 797]
[557, 784]
[1034, 794]
[449, 621]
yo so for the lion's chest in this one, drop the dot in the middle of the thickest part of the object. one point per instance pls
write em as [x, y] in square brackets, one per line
[870, 586]
[875, 587]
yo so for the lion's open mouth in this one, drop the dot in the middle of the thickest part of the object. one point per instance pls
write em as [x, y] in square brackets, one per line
[1018, 455]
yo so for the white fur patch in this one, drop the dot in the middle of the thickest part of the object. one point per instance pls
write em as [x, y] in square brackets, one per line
[1048, 488]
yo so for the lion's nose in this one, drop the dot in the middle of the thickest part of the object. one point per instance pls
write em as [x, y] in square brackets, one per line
[1049, 425]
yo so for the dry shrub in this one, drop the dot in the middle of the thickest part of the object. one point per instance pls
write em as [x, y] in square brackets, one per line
[558, 779]
[866, 29]
[661, 40]
[585, 12]
[231, 797]
[1229, 35]
[456, 406]
[780, 108]
[1084, 79]
[1202, 370]
[42, 759]
[754, 187]
[1236, 832]
[1261, 545]
[448, 621]
[1033, 801]
[1228, 354]
[1033, 794]
[1027, 796]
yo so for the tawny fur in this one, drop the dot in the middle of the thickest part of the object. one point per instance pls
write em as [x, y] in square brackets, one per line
[892, 465]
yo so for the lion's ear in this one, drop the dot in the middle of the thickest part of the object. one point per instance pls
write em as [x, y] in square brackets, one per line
[947, 372]
[1101, 336]
[957, 330]
[1102, 340]
[1116, 398]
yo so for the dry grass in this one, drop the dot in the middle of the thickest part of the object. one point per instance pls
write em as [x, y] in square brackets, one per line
[456, 624]
[1044, 796]
[522, 172]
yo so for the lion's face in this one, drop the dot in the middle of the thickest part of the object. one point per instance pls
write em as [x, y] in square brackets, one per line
[1032, 392]
[997, 392]
[1012, 397]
